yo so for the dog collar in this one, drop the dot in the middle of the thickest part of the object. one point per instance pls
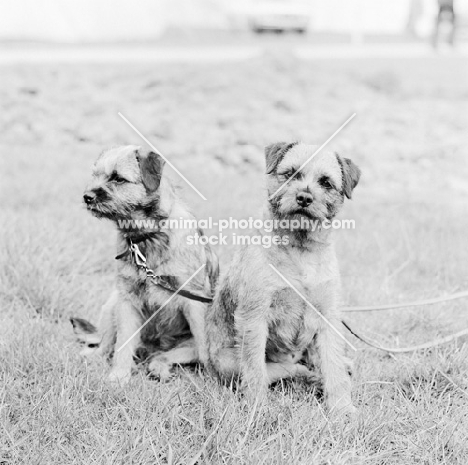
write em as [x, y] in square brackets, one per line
[123, 254]
[163, 281]
[129, 242]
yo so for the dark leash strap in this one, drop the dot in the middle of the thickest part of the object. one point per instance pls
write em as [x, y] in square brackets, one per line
[162, 281]
[159, 280]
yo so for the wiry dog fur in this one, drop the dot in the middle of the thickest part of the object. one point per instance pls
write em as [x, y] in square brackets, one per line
[128, 184]
[258, 327]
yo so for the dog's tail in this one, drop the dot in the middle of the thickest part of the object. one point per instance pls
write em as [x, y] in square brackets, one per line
[87, 335]
[212, 268]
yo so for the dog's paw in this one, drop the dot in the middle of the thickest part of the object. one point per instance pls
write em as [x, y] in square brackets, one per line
[253, 400]
[342, 407]
[309, 376]
[119, 377]
[160, 370]
[348, 409]
[254, 394]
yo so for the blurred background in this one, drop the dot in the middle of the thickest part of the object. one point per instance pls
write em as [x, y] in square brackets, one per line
[68, 21]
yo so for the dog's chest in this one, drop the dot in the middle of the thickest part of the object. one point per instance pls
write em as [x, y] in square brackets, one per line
[135, 280]
[148, 296]
[291, 324]
[307, 270]
[293, 320]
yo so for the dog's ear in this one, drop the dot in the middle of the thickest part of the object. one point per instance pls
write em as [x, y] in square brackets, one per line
[87, 335]
[350, 173]
[274, 153]
[85, 331]
[151, 167]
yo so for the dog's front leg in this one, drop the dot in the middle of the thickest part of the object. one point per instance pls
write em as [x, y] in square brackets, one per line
[108, 325]
[336, 381]
[252, 341]
[128, 339]
[194, 313]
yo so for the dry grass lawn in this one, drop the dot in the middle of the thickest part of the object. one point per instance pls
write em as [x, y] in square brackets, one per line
[410, 140]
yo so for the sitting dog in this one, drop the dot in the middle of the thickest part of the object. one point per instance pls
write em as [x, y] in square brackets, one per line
[129, 188]
[258, 326]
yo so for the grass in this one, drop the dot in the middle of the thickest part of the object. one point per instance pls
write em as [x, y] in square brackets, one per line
[409, 139]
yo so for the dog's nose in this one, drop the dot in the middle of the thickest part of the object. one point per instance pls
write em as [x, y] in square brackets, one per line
[304, 199]
[89, 197]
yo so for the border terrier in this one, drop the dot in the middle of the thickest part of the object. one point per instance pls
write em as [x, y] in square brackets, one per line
[258, 327]
[128, 186]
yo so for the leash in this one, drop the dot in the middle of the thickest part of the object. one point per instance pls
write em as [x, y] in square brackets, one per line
[418, 303]
[402, 350]
[161, 281]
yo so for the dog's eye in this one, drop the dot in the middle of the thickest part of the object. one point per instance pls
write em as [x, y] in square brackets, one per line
[325, 182]
[291, 173]
[115, 178]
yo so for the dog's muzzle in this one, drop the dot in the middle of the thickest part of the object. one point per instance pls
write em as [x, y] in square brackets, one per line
[304, 199]
[89, 197]
[96, 195]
